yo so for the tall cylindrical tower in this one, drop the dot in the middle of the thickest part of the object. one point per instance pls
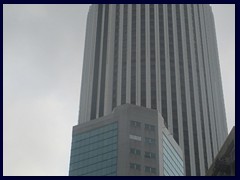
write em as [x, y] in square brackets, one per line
[160, 56]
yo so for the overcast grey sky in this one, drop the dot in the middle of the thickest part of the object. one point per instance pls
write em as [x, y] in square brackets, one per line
[42, 65]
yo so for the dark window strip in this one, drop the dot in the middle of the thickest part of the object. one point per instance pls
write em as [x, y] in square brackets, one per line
[162, 65]
[173, 74]
[96, 63]
[193, 113]
[211, 83]
[152, 59]
[115, 64]
[143, 58]
[183, 93]
[205, 82]
[199, 89]
[103, 73]
[124, 54]
[133, 56]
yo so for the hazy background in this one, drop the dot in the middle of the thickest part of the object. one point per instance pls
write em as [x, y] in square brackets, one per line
[42, 66]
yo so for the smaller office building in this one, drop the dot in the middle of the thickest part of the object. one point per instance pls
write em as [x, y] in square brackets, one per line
[224, 163]
[131, 141]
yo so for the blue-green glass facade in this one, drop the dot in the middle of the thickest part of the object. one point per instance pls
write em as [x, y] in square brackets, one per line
[172, 162]
[94, 153]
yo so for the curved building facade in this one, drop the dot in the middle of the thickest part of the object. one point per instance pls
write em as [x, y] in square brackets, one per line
[163, 57]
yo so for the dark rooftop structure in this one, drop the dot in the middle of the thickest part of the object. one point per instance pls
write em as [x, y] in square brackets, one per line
[224, 163]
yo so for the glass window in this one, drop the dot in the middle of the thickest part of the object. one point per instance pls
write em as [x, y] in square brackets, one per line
[170, 163]
[149, 140]
[135, 151]
[165, 173]
[135, 124]
[150, 155]
[135, 166]
[149, 127]
[167, 152]
[96, 153]
[150, 169]
[169, 171]
[167, 145]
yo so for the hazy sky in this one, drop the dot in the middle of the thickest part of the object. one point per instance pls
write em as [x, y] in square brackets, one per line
[42, 65]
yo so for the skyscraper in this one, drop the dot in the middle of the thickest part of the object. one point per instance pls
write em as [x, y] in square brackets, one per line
[162, 57]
